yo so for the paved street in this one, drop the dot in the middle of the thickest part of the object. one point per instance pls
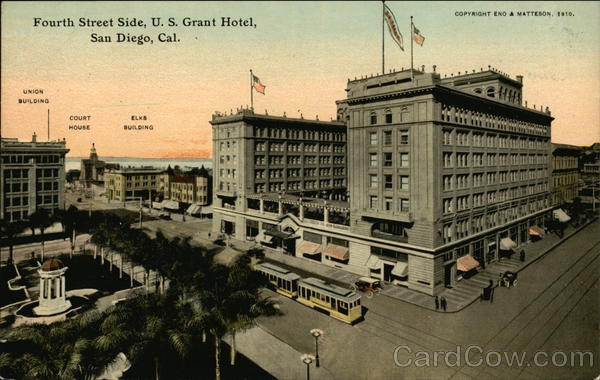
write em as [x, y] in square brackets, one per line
[554, 308]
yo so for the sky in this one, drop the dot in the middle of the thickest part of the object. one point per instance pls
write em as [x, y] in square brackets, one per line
[304, 52]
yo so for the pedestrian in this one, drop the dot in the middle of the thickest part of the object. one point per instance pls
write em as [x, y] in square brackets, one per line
[443, 303]
[437, 303]
[491, 286]
[522, 255]
[32, 255]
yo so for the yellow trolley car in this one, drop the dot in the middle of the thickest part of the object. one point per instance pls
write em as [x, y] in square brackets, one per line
[282, 281]
[339, 303]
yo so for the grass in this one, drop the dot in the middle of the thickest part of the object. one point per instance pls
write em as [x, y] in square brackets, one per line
[8, 296]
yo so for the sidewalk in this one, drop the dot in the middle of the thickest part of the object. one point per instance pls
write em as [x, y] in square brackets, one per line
[467, 291]
[464, 293]
[261, 347]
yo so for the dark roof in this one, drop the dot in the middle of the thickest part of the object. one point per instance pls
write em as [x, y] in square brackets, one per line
[52, 264]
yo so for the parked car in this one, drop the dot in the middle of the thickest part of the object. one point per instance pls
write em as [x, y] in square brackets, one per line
[508, 279]
[164, 216]
[79, 200]
[368, 285]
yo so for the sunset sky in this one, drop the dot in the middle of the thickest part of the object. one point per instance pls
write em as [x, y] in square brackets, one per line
[302, 51]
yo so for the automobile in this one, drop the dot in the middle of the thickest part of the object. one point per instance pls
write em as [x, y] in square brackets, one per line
[368, 285]
[508, 279]
[79, 200]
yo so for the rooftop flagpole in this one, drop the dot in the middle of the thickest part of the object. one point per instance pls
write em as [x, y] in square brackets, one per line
[382, 36]
[251, 90]
[412, 75]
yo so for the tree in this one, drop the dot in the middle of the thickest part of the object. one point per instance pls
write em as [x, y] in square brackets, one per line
[72, 175]
[9, 231]
[40, 219]
[70, 219]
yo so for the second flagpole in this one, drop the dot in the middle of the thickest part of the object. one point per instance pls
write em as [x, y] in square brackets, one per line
[251, 90]
[412, 75]
[383, 37]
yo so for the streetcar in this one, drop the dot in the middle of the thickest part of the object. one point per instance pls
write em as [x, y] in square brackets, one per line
[281, 280]
[333, 300]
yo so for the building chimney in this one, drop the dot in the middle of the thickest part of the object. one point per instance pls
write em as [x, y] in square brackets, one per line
[434, 67]
[34, 137]
[520, 78]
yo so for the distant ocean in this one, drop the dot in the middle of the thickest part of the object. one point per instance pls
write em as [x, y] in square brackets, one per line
[162, 163]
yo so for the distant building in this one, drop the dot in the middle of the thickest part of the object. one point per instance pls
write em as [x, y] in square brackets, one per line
[187, 189]
[32, 175]
[92, 169]
[590, 175]
[128, 183]
[565, 179]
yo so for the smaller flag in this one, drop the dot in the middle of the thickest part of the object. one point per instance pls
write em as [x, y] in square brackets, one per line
[259, 87]
[417, 37]
[393, 26]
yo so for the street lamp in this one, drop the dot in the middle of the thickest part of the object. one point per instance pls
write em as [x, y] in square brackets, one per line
[307, 359]
[133, 199]
[316, 333]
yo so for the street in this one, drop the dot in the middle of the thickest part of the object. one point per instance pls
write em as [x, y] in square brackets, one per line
[553, 308]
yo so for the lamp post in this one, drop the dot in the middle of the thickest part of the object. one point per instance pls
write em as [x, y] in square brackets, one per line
[316, 333]
[140, 199]
[307, 359]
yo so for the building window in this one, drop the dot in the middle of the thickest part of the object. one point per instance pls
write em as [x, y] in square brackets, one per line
[404, 137]
[373, 181]
[387, 159]
[388, 117]
[491, 92]
[389, 182]
[373, 138]
[448, 205]
[389, 204]
[404, 182]
[373, 160]
[387, 138]
[404, 160]
[373, 201]
[404, 205]
[373, 118]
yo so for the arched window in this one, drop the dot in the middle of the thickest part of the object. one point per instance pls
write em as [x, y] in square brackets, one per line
[373, 118]
[478, 90]
[491, 92]
[388, 117]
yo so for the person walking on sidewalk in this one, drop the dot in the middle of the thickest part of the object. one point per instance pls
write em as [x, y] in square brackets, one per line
[443, 303]
[522, 255]
[437, 303]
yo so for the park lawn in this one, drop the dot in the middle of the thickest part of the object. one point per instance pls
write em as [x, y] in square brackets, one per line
[7, 296]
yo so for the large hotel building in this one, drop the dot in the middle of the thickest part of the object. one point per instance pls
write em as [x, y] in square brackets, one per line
[32, 175]
[419, 180]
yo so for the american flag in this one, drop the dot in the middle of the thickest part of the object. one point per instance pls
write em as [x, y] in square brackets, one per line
[417, 37]
[259, 87]
[393, 26]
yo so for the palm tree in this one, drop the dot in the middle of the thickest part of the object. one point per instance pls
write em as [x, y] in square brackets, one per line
[9, 231]
[40, 219]
[245, 304]
[70, 219]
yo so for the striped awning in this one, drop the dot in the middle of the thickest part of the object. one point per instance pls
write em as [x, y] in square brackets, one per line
[309, 248]
[561, 215]
[506, 244]
[535, 230]
[400, 269]
[466, 263]
[374, 262]
[337, 252]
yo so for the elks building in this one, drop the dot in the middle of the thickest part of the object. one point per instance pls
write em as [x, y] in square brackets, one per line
[32, 175]
[420, 179]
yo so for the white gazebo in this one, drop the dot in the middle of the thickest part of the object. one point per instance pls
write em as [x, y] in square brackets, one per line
[52, 288]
